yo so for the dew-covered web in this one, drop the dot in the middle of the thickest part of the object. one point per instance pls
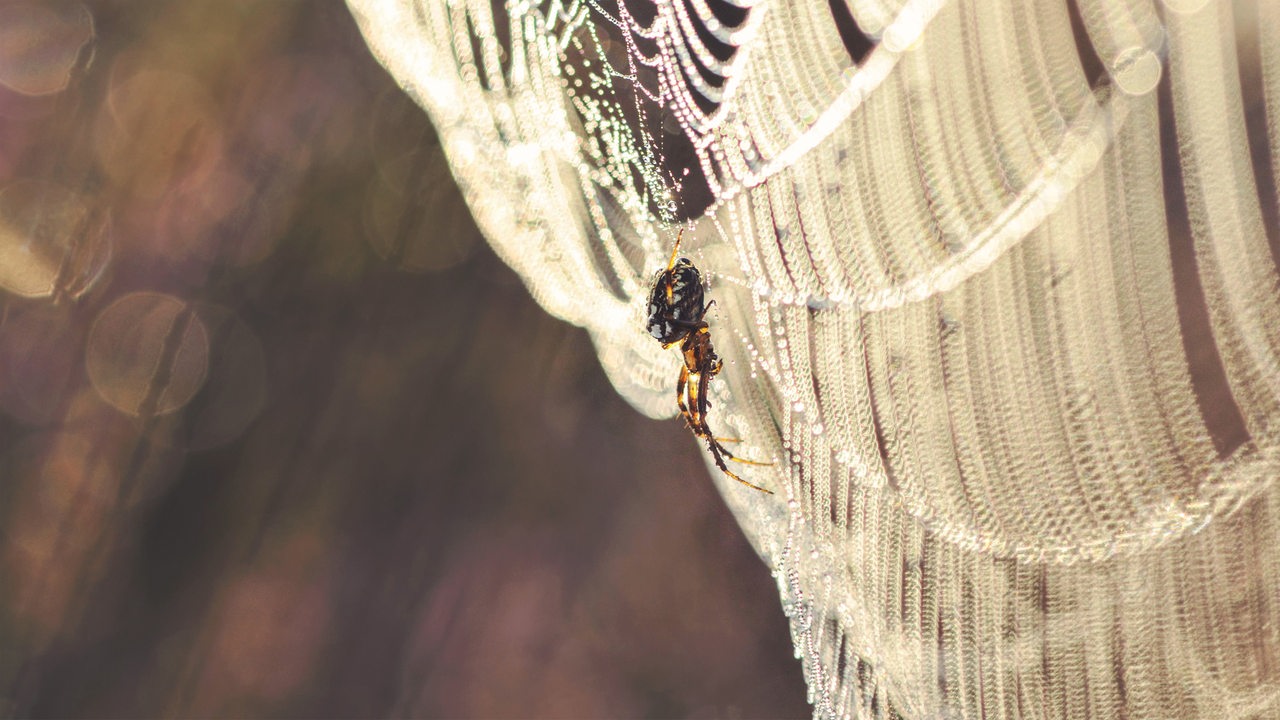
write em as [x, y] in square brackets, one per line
[996, 286]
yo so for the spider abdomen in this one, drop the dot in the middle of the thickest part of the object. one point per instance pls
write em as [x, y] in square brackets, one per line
[676, 303]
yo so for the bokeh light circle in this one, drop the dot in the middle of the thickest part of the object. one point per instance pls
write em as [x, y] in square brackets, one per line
[41, 43]
[147, 354]
[51, 241]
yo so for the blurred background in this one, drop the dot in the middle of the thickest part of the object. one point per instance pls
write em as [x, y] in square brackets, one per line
[280, 436]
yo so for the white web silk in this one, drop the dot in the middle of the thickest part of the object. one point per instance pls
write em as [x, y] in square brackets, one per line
[1009, 332]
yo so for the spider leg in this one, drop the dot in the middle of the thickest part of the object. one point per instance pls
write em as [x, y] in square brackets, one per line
[744, 482]
[697, 405]
[717, 453]
[698, 399]
[704, 381]
[681, 390]
[675, 251]
[725, 451]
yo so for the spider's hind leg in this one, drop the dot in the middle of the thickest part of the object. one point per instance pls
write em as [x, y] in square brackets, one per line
[681, 390]
[718, 452]
[698, 398]
[725, 451]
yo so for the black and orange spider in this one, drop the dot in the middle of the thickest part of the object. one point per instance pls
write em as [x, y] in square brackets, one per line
[677, 315]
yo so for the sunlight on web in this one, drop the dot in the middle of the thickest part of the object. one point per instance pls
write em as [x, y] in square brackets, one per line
[996, 290]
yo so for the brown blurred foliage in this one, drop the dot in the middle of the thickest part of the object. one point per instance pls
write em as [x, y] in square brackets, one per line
[279, 436]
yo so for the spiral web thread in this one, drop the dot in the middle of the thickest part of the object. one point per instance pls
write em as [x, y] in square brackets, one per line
[996, 285]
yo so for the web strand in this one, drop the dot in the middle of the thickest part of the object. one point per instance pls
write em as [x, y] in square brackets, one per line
[971, 261]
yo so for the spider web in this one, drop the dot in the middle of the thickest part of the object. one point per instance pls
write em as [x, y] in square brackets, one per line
[996, 288]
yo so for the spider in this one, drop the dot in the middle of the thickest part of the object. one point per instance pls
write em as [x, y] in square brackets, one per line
[677, 315]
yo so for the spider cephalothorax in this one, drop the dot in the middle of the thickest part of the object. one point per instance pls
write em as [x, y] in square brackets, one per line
[677, 312]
